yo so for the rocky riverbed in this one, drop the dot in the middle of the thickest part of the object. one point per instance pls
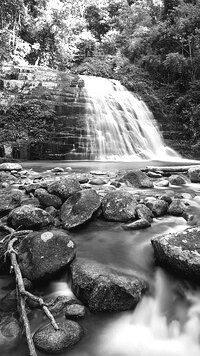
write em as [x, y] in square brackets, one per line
[51, 205]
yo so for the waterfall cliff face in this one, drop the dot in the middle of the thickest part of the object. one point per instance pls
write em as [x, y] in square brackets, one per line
[119, 124]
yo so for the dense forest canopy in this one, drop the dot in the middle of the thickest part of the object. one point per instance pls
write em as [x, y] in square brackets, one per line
[149, 44]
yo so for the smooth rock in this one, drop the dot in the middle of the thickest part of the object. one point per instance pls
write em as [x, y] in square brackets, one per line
[41, 254]
[75, 311]
[10, 167]
[138, 179]
[103, 288]
[177, 207]
[64, 187]
[194, 174]
[97, 181]
[10, 332]
[176, 179]
[162, 183]
[137, 225]
[119, 206]
[52, 341]
[29, 217]
[31, 201]
[154, 175]
[46, 199]
[79, 208]
[57, 170]
[180, 253]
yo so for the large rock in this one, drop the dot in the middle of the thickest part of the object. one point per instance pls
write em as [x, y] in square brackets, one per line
[29, 217]
[79, 208]
[46, 199]
[103, 288]
[194, 174]
[137, 225]
[10, 167]
[179, 252]
[119, 206]
[138, 179]
[10, 199]
[41, 254]
[177, 207]
[177, 179]
[143, 212]
[52, 341]
[64, 187]
[159, 207]
[10, 332]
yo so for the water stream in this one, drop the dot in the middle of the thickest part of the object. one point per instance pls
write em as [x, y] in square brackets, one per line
[119, 124]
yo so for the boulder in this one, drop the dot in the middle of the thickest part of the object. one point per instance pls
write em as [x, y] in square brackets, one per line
[159, 207]
[6, 177]
[119, 206]
[137, 179]
[177, 179]
[179, 252]
[143, 212]
[136, 225]
[31, 201]
[177, 207]
[46, 199]
[103, 288]
[79, 208]
[194, 174]
[29, 217]
[52, 341]
[10, 199]
[10, 332]
[64, 187]
[10, 167]
[41, 254]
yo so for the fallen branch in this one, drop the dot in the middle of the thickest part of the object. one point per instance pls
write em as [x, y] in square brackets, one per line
[22, 294]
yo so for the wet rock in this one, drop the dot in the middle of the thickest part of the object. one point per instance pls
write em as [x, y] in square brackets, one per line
[10, 199]
[159, 207]
[79, 208]
[50, 341]
[136, 225]
[176, 179]
[98, 173]
[154, 175]
[83, 179]
[75, 311]
[115, 184]
[6, 177]
[46, 199]
[138, 179]
[119, 206]
[29, 217]
[143, 212]
[41, 254]
[10, 167]
[194, 174]
[179, 252]
[149, 202]
[177, 207]
[64, 188]
[10, 332]
[57, 170]
[103, 288]
[97, 181]
[162, 183]
[166, 198]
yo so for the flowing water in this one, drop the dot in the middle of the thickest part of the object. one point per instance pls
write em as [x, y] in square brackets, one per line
[119, 124]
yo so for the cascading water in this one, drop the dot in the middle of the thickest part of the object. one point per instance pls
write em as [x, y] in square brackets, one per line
[119, 124]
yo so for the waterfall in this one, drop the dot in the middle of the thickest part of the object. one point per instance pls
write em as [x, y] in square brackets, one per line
[119, 125]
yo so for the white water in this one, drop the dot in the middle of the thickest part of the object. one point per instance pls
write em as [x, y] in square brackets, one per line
[148, 332]
[120, 125]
